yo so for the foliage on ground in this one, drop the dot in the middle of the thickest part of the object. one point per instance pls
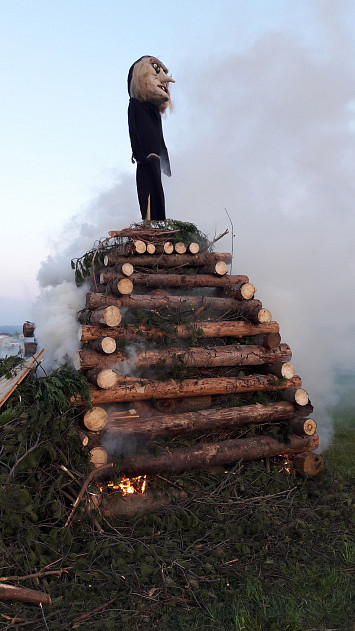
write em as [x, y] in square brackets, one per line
[249, 549]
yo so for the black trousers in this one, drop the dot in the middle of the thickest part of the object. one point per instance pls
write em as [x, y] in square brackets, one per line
[148, 179]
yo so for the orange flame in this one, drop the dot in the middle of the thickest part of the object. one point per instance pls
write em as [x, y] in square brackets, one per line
[286, 464]
[128, 485]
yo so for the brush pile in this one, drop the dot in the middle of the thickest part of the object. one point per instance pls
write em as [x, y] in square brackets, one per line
[187, 368]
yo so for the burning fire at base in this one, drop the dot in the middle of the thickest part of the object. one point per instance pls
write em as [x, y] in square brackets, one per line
[128, 486]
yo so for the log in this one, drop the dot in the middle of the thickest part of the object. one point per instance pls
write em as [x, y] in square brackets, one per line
[95, 419]
[301, 426]
[172, 280]
[104, 344]
[106, 315]
[188, 404]
[194, 248]
[102, 378]
[132, 389]
[271, 339]
[180, 248]
[202, 421]
[296, 395]
[244, 292]
[211, 454]
[241, 307]
[262, 316]
[279, 369]
[150, 248]
[309, 463]
[226, 355]
[98, 456]
[168, 247]
[139, 246]
[28, 329]
[23, 594]
[219, 268]
[191, 260]
[227, 328]
[124, 286]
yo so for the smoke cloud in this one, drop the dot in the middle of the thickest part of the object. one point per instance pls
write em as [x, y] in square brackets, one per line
[267, 134]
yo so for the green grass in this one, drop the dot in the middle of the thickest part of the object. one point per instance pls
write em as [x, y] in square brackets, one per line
[220, 557]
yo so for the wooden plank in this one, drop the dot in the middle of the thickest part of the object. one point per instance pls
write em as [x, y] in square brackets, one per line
[7, 386]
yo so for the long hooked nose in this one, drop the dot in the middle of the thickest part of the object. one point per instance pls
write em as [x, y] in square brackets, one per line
[167, 79]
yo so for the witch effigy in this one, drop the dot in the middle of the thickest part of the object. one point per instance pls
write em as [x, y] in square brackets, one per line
[148, 88]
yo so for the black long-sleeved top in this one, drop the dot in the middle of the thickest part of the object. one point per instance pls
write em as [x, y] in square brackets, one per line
[146, 133]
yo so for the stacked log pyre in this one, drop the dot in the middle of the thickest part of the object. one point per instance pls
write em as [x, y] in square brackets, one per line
[175, 347]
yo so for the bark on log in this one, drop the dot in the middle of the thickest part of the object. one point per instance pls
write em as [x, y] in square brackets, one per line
[189, 404]
[309, 463]
[104, 344]
[296, 395]
[227, 355]
[243, 308]
[102, 378]
[180, 248]
[272, 339]
[131, 389]
[173, 280]
[170, 425]
[228, 328]
[23, 594]
[190, 260]
[106, 315]
[211, 454]
[301, 426]
[95, 419]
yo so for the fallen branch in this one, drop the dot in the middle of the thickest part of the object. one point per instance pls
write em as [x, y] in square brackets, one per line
[36, 575]
[92, 475]
[23, 594]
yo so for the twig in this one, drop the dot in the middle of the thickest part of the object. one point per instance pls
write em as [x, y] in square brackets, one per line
[92, 475]
[228, 562]
[87, 615]
[231, 223]
[220, 237]
[36, 575]
[37, 444]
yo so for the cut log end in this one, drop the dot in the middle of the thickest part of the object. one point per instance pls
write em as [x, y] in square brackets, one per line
[168, 247]
[303, 426]
[104, 379]
[309, 463]
[194, 248]
[106, 345]
[140, 246]
[180, 248]
[150, 248]
[96, 419]
[125, 286]
[127, 269]
[220, 268]
[247, 292]
[98, 456]
[264, 316]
